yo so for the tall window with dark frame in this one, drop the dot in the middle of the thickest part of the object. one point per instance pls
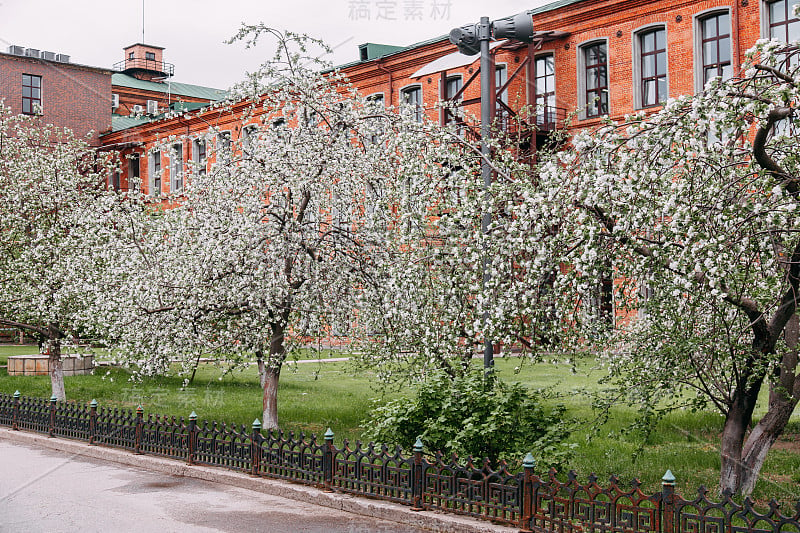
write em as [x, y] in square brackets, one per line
[545, 84]
[176, 168]
[31, 94]
[653, 52]
[199, 156]
[375, 126]
[716, 41]
[412, 96]
[155, 173]
[133, 172]
[595, 64]
[453, 85]
[783, 25]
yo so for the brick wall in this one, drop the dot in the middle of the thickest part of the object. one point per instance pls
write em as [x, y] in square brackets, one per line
[614, 21]
[73, 96]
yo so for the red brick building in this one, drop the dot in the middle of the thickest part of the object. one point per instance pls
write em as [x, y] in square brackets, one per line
[59, 92]
[589, 59]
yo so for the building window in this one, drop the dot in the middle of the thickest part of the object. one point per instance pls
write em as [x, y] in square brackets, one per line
[176, 168]
[130, 55]
[375, 105]
[31, 94]
[113, 180]
[412, 97]
[500, 79]
[150, 56]
[224, 147]
[544, 73]
[652, 67]
[595, 79]
[249, 135]
[154, 168]
[199, 156]
[134, 178]
[715, 42]
[452, 88]
[783, 25]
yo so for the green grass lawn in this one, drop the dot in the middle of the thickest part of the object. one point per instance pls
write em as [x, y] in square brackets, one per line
[315, 396]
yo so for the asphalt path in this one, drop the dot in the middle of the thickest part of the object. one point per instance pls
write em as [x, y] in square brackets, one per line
[47, 491]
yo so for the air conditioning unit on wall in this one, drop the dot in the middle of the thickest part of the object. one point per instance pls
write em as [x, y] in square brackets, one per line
[137, 108]
[152, 107]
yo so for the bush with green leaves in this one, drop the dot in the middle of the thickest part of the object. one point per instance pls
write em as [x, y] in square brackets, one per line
[471, 415]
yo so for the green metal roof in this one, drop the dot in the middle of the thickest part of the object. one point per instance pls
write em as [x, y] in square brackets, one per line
[389, 51]
[375, 50]
[176, 88]
[383, 50]
[123, 122]
[553, 5]
[187, 106]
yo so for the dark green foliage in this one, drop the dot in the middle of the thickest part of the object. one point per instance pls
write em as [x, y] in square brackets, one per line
[472, 416]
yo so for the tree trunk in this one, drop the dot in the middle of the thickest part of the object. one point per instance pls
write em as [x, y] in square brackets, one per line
[272, 371]
[784, 394]
[733, 433]
[262, 369]
[53, 348]
[270, 414]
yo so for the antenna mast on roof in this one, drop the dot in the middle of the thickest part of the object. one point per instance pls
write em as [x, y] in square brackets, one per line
[143, 41]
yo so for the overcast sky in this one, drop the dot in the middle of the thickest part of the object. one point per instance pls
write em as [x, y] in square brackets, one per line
[94, 32]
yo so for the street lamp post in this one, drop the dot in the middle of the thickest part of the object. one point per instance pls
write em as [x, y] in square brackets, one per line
[470, 40]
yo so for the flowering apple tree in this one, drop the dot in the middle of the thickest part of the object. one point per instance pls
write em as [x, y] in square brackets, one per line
[688, 220]
[54, 216]
[278, 244]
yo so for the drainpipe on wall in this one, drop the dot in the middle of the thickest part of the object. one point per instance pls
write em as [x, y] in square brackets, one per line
[391, 83]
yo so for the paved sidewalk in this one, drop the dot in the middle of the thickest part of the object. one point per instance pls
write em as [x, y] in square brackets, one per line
[58, 485]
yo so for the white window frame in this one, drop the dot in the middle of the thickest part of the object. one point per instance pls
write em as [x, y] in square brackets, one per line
[636, 45]
[224, 147]
[697, 39]
[419, 114]
[200, 164]
[153, 175]
[581, 62]
[248, 133]
[176, 173]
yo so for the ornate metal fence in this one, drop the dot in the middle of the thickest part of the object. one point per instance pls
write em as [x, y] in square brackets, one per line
[523, 499]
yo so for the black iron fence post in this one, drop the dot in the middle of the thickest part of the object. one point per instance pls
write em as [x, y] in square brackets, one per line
[52, 428]
[668, 501]
[255, 448]
[92, 422]
[526, 494]
[137, 446]
[192, 436]
[15, 413]
[416, 477]
[327, 461]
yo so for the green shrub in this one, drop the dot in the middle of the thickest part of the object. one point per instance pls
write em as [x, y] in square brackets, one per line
[469, 416]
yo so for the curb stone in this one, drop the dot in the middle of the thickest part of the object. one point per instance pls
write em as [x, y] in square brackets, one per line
[432, 520]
